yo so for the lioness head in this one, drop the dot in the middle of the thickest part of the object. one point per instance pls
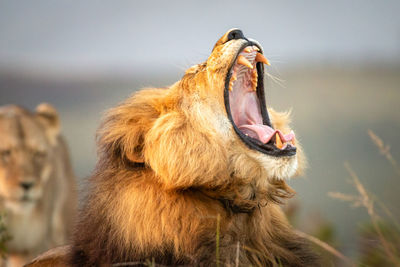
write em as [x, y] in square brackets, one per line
[26, 152]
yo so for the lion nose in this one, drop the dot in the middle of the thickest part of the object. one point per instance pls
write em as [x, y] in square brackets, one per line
[26, 185]
[235, 34]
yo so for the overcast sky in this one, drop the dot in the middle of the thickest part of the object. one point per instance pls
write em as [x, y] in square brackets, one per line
[90, 34]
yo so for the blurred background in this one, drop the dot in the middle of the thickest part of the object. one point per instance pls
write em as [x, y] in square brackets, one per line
[336, 64]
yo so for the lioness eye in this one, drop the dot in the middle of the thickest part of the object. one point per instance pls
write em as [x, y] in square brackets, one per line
[5, 154]
[39, 155]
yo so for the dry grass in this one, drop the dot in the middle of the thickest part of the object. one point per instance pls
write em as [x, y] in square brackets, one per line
[367, 200]
[217, 236]
[326, 247]
[384, 150]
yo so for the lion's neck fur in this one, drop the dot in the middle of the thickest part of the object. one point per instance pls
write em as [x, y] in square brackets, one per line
[166, 206]
[181, 224]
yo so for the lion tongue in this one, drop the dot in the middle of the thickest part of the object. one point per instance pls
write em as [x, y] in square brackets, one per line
[258, 131]
[247, 116]
[264, 133]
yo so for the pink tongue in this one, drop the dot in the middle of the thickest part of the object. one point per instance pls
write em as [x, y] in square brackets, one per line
[264, 133]
[246, 112]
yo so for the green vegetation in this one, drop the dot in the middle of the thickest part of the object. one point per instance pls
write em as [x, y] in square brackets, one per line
[4, 237]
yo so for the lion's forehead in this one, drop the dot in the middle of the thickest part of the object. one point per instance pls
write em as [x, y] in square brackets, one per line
[22, 131]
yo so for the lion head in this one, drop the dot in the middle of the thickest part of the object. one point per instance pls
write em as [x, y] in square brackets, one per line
[211, 125]
[173, 160]
[26, 152]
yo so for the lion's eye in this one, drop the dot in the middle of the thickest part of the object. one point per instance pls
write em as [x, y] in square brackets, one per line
[5, 155]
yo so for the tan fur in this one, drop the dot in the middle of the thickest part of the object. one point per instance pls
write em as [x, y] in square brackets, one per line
[170, 164]
[55, 257]
[33, 152]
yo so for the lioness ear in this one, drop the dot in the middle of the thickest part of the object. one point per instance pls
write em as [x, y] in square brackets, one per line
[48, 116]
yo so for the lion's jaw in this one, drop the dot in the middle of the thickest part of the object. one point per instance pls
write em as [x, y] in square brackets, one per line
[243, 161]
[243, 120]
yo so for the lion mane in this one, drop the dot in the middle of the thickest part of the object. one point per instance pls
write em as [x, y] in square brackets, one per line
[173, 171]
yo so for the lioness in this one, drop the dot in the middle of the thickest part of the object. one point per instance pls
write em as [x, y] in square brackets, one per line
[193, 174]
[37, 184]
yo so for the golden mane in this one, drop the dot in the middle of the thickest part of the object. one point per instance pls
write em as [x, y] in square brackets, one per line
[171, 163]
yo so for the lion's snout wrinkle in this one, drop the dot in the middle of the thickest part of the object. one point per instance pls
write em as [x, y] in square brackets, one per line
[173, 160]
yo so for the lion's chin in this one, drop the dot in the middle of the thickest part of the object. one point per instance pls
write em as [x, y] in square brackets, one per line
[18, 197]
[19, 205]
[282, 168]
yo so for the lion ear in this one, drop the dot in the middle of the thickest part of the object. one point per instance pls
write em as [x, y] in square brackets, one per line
[135, 154]
[122, 133]
[49, 118]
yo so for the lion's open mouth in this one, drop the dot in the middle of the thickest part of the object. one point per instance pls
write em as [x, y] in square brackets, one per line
[246, 108]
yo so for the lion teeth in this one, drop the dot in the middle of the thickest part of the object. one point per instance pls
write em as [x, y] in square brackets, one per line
[230, 85]
[254, 79]
[244, 61]
[256, 48]
[234, 78]
[278, 141]
[247, 49]
[260, 58]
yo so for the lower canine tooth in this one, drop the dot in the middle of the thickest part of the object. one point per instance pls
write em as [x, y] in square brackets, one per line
[244, 61]
[278, 141]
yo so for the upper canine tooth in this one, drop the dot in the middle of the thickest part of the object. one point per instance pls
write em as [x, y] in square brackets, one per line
[256, 48]
[260, 58]
[243, 61]
[247, 49]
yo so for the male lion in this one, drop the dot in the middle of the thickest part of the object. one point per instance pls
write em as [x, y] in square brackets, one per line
[194, 174]
[37, 185]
